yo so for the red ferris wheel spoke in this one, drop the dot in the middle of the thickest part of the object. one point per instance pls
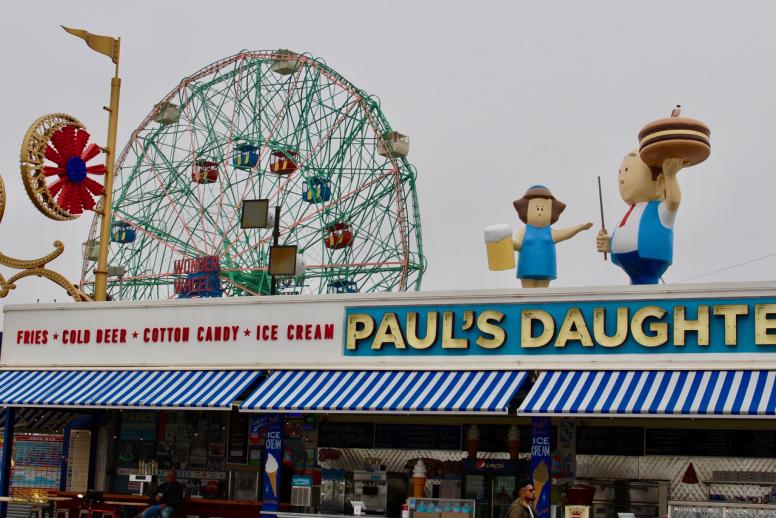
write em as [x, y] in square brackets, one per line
[91, 151]
[51, 171]
[57, 186]
[81, 138]
[85, 199]
[65, 199]
[95, 188]
[53, 155]
[62, 139]
[96, 169]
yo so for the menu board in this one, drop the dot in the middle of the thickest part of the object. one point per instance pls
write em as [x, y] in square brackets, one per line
[754, 443]
[711, 443]
[610, 440]
[37, 461]
[418, 436]
[345, 435]
[138, 425]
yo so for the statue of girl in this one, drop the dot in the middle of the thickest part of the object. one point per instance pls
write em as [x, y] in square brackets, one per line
[535, 244]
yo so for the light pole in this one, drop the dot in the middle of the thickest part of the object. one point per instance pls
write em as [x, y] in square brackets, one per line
[273, 290]
[110, 47]
[282, 259]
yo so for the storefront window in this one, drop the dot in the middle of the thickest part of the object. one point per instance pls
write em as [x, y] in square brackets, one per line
[192, 443]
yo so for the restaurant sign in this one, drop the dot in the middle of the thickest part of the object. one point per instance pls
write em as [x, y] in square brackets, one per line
[567, 328]
[694, 327]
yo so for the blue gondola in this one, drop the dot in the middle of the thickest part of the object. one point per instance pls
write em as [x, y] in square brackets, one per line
[316, 190]
[246, 156]
[123, 233]
[342, 286]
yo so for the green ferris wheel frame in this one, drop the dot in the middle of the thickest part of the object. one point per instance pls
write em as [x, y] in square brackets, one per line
[264, 124]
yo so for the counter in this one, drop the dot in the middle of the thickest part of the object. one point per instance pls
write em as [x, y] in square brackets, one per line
[191, 506]
[681, 509]
[285, 514]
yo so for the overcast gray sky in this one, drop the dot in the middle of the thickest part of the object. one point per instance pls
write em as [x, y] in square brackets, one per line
[496, 96]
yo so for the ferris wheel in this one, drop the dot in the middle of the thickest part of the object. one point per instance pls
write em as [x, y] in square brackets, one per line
[262, 125]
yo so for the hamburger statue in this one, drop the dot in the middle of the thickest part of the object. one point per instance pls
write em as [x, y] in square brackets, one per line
[642, 243]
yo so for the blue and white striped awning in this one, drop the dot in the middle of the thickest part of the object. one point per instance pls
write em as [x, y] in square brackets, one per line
[393, 392]
[120, 389]
[664, 393]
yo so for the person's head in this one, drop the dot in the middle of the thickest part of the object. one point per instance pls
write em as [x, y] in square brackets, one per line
[526, 492]
[171, 476]
[639, 182]
[538, 207]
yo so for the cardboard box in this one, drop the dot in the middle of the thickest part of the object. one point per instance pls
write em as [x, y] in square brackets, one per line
[451, 514]
[416, 514]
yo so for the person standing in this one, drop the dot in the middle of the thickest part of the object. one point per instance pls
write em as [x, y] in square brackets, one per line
[168, 497]
[523, 506]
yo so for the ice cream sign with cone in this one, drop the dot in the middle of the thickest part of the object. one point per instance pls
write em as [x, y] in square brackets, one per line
[541, 428]
[273, 447]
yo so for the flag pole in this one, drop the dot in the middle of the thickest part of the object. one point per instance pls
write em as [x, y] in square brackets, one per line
[101, 274]
[110, 47]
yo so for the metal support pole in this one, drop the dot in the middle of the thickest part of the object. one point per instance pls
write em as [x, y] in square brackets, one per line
[5, 476]
[65, 458]
[275, 240]
[101, 273]
[94, 430]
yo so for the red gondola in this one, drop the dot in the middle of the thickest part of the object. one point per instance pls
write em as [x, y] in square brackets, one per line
[283, 161]
[338, 235]
[205, 171]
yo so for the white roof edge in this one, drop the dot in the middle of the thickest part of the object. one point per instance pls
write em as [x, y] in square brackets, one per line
[516, 295]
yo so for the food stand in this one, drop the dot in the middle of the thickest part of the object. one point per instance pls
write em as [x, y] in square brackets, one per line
[638, 382]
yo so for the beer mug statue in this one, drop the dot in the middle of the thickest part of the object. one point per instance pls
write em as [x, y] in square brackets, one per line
[535, 243]
[498, 243]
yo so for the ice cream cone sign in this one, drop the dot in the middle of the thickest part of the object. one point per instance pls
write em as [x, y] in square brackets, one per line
[535, 243]
[513, 442]
[271, 469]
[419, 479]
[541, 476]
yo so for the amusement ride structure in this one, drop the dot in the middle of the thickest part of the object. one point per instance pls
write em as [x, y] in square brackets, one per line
[263, 125]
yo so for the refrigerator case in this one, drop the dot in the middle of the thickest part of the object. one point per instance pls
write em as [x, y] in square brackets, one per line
[244, 485]
[493, 485]
[333, 491]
